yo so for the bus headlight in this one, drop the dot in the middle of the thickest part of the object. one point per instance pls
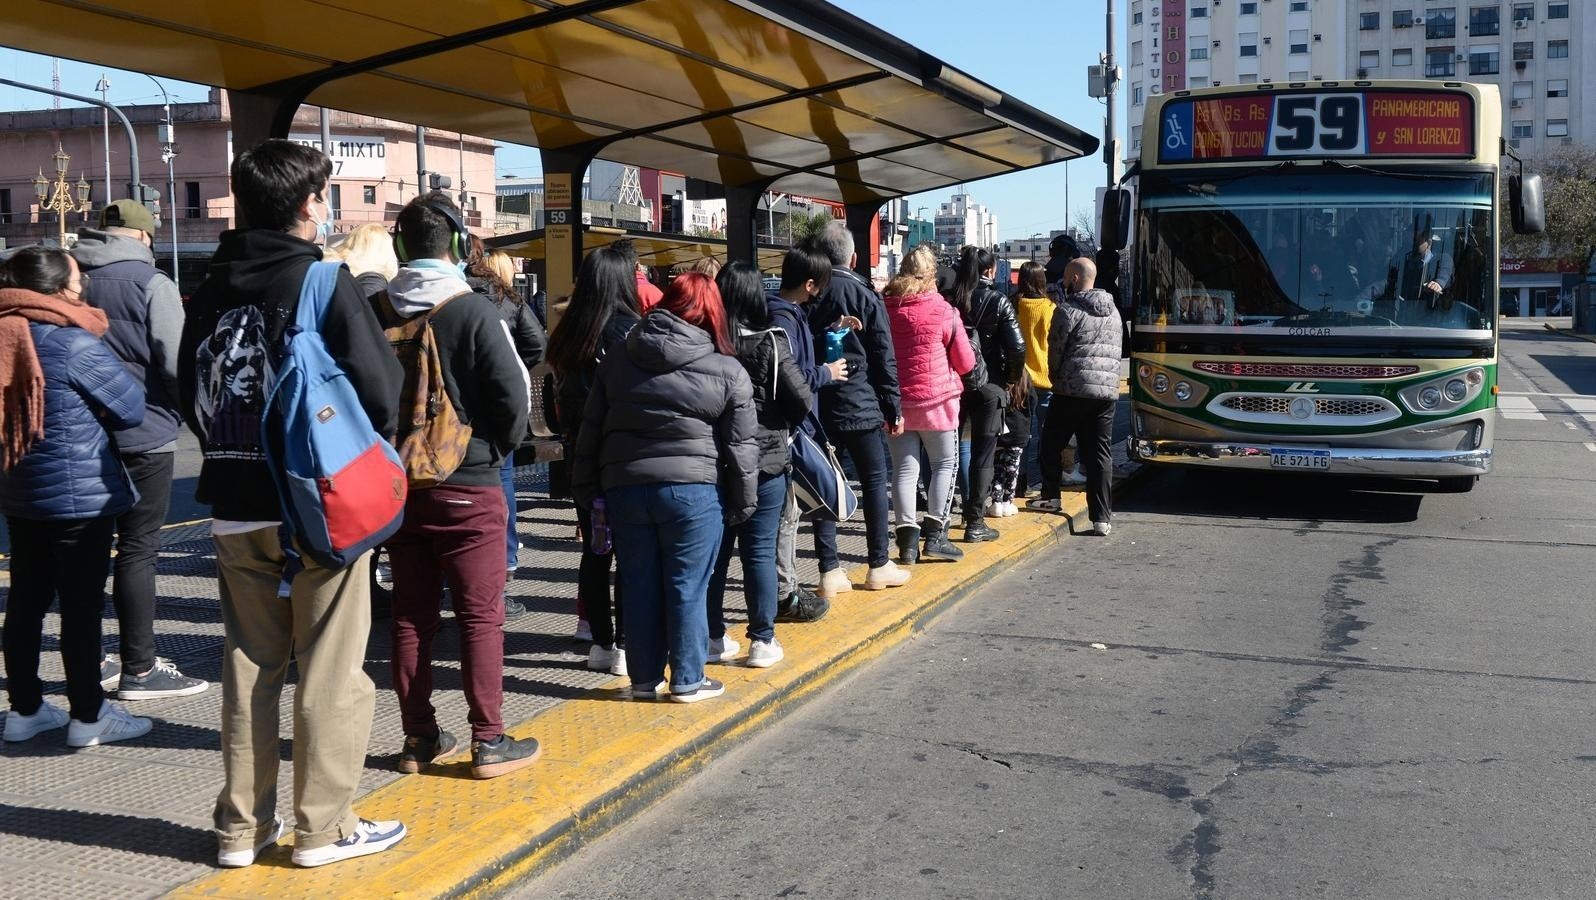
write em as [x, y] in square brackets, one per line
[1160, 382]
[1430, 397]
[1182, 391]
[1456, 390]
[1145, 372]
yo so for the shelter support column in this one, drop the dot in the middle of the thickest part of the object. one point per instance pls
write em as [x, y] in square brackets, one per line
[742, 207]
[563, 171]
[863, 221]
[259, 116]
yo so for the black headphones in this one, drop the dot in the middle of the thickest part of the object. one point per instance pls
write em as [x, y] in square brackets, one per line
[459, 241]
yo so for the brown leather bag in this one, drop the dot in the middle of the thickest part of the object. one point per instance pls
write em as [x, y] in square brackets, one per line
[432, 439]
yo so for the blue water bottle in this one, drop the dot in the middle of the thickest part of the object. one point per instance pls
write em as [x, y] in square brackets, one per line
[834, 338]
[598, 539]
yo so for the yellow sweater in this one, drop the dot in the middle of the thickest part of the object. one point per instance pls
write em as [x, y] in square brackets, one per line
[1036, 317]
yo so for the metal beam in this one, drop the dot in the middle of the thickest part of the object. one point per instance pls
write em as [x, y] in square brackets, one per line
[132, 143]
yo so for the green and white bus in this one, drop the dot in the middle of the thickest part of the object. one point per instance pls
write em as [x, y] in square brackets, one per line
[1314, 277]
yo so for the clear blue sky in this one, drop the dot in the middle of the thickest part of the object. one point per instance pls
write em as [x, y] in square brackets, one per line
[1034, 50]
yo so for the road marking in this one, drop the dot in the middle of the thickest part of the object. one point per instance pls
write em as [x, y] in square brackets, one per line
[1591, 446]
[1584, 407]
[1518, 408]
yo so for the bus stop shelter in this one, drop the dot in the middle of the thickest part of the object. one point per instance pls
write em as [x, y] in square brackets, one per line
[749, 95]
[654, 249]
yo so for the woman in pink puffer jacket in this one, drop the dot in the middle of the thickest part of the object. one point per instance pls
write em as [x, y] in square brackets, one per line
[933, 352]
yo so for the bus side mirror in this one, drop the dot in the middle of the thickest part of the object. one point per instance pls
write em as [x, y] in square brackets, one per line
[1115, 230]
[1529, 203]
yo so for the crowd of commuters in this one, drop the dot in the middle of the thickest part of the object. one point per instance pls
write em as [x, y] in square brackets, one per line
[678, 409]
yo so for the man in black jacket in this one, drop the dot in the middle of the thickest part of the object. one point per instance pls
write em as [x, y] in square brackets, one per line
[857, 412]
[229, 350]
[455, 530]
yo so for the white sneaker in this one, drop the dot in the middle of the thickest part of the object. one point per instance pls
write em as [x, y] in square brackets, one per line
[1101, 529]
[723, 649]
[1011, 509]
[20, 727]
[886, 575]
[994, 509]
[385, 575]
[833, 583]
[762, 655]
[238, 859]
[369, 837]
[114, 724]
[602, 658]
[1074, 476]
[619, 666]
[584, 631]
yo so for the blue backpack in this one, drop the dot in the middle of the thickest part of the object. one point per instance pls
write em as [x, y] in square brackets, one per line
[341, 484]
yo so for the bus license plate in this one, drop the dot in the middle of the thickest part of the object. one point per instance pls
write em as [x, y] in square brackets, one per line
[1299, 459]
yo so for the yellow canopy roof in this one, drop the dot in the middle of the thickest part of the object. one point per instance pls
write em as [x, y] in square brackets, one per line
[654, 250]
[790, 95]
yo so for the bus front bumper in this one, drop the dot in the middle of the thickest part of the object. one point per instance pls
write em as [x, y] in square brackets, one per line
[1403, 463]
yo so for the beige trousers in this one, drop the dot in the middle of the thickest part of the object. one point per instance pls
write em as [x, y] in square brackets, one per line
[323, 628]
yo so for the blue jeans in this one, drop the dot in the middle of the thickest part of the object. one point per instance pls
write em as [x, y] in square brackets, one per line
[1030, 469]
[756, 542]
[512, 541]
[665, 538]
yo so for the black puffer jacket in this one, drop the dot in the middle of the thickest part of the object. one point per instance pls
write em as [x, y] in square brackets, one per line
[667, 408]
[856, 404]
[571, 389]
[781, 395]
[526, 332]
[1002, 343]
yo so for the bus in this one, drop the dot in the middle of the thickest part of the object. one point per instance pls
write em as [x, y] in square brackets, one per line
[1314, 277]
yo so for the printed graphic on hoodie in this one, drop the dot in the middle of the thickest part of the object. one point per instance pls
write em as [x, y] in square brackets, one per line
[233, 373]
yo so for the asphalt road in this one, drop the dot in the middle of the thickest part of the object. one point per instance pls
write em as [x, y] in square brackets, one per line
[1256, 688]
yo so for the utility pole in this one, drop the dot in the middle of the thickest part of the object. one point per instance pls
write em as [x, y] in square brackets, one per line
[168, 154]
[421, 160]
[103, 87]
[1111, 77]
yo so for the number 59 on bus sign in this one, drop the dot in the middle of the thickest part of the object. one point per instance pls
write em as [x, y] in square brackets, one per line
[1317, 124]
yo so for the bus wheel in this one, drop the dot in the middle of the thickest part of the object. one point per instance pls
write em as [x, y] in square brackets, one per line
[1460, 485]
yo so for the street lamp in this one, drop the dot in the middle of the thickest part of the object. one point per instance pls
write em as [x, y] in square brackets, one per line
[168, 153]
[1034, 245]
[65, 198]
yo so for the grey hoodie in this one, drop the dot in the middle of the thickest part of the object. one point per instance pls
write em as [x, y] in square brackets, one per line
[1083, 346]
[146, 325]
[670, 409]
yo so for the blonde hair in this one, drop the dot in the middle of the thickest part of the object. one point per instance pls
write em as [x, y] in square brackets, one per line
[503, 267]
[917, 274]
[369, 248]
[705, 265]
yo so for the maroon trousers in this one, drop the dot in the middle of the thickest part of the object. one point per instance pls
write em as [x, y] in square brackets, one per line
[453, 533]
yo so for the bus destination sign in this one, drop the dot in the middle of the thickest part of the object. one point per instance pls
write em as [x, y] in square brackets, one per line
[1332, 124]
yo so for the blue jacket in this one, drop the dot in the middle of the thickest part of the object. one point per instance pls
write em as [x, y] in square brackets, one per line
[790, 318]
[74, 471]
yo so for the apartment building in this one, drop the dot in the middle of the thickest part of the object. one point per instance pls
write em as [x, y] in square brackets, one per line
[1180, 44]
[1535, 51]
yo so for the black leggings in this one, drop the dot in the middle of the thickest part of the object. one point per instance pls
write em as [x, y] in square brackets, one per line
[593, 586]
[982, 410]
[66, 559]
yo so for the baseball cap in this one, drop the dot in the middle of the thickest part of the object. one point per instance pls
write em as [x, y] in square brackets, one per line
[128, 214]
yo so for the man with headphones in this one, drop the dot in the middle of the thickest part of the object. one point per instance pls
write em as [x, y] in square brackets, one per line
[454, 531]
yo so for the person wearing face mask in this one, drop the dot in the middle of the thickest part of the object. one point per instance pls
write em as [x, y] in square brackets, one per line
[235, 324]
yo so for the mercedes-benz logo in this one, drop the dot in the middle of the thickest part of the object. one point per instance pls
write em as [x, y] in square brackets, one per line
[1302, 407]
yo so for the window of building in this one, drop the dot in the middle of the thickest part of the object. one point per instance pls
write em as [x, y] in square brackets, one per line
[1136, 137]
[1298, 76]
[1440, 24]
[1557, 49]
[1136, 13]
[191, 200]
[1557, 128]
[1136, 95]
[1557, 87]
[1136, 52]
[337, 201]
[1247, 79]
[5, 206]
[1299, 41]
[1198, 81]
[1249, 9]
[1369, 59]
[1248, 44]
[1402, 57]
[1523, 90]
[1557, 10]
[1438, 62]
[368, 194]
[1523, 129]
[1485, 61]
[1369, 21]
[1198, 53]
[1523, 50]
[1485, 21]
[1199, 12]
[1299, 5]
[1401, 18]
[1523, 12]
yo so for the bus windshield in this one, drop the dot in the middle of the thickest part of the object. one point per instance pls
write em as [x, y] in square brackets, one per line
[1353, 251]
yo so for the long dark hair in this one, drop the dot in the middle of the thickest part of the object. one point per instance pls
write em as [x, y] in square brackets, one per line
[606, 286]
[1033, 279]
[972, 262]
[43, 270]
[742, 291]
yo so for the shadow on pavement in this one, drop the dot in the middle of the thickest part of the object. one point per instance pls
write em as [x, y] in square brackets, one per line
[1267, 495]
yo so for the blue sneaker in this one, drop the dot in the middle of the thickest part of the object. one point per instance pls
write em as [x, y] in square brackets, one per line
[369, 837]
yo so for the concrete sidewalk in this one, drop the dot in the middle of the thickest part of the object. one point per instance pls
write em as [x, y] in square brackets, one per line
[134, 819]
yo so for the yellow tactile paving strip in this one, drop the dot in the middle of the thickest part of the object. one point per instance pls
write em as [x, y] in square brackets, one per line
[605, 756]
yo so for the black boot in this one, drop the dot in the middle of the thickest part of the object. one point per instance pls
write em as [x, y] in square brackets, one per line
[976, 530]
[937, 545]
[908, 545]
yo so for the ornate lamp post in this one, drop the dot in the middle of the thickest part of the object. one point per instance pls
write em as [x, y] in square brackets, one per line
[64, 198]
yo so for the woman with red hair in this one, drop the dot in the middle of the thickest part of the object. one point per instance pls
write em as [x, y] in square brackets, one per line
[669, 443]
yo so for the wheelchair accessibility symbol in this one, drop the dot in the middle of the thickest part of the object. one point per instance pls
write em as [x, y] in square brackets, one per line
[1175, 138]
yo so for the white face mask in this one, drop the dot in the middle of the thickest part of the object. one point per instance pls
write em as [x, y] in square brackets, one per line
[324, 226]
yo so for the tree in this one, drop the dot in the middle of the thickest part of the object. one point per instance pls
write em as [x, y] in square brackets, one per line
[802, 226]
[1086, 226]
[1569, 176]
